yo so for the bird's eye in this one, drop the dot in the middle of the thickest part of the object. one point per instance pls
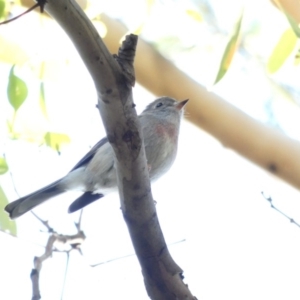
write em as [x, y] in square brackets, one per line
[158, 105]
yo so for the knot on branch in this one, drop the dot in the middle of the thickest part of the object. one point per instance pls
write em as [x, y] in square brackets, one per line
[125, 58]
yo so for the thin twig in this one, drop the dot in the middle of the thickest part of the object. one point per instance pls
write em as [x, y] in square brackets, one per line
[128, 255]
[21, 15]
[65, 276]
[278, 210]
[22, 239]
[78, 224]
[74, 241]
[45, 223]
[38, 262]
[40, 3]
[12, 179]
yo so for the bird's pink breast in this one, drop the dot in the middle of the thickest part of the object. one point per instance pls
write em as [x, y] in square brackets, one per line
[166, 131]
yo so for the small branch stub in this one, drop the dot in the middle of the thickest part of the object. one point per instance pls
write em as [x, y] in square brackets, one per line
[114, 77]
[125, 57]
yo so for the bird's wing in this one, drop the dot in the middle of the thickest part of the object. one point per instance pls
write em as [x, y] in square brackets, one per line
[90, 154]
[84, 200]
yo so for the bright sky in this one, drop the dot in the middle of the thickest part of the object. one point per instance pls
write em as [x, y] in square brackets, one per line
[220, 230]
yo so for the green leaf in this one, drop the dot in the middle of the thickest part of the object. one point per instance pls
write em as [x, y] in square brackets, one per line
[282, 50]
[229, 51]
[42, 100]
[16, 90]
[2, 8]
[5, 223]
[3, 166]
[55, 140]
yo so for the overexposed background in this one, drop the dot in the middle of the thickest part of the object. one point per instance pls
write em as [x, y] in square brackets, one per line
[219, 228]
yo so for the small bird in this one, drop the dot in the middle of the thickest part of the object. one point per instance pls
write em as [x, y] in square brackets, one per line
[95, 173]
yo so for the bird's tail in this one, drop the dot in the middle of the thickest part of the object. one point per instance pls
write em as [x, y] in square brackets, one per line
[21, 206]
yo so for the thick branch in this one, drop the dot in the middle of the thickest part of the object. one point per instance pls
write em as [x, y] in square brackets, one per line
[263, 145]
[292, 7]
[113, 79]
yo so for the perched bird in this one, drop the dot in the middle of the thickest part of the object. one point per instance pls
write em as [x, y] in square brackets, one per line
[95, 173]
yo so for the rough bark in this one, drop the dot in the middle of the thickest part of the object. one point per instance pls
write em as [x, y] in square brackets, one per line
[113, 77]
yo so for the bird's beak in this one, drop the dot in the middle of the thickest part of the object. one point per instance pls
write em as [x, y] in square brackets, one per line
[181, 104]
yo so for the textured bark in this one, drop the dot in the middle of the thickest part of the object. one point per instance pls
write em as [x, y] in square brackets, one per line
[113, 77]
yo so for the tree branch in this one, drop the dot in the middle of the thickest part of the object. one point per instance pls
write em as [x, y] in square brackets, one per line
[265, 146]
[113, 79]
[270, 199]
[74, 241]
